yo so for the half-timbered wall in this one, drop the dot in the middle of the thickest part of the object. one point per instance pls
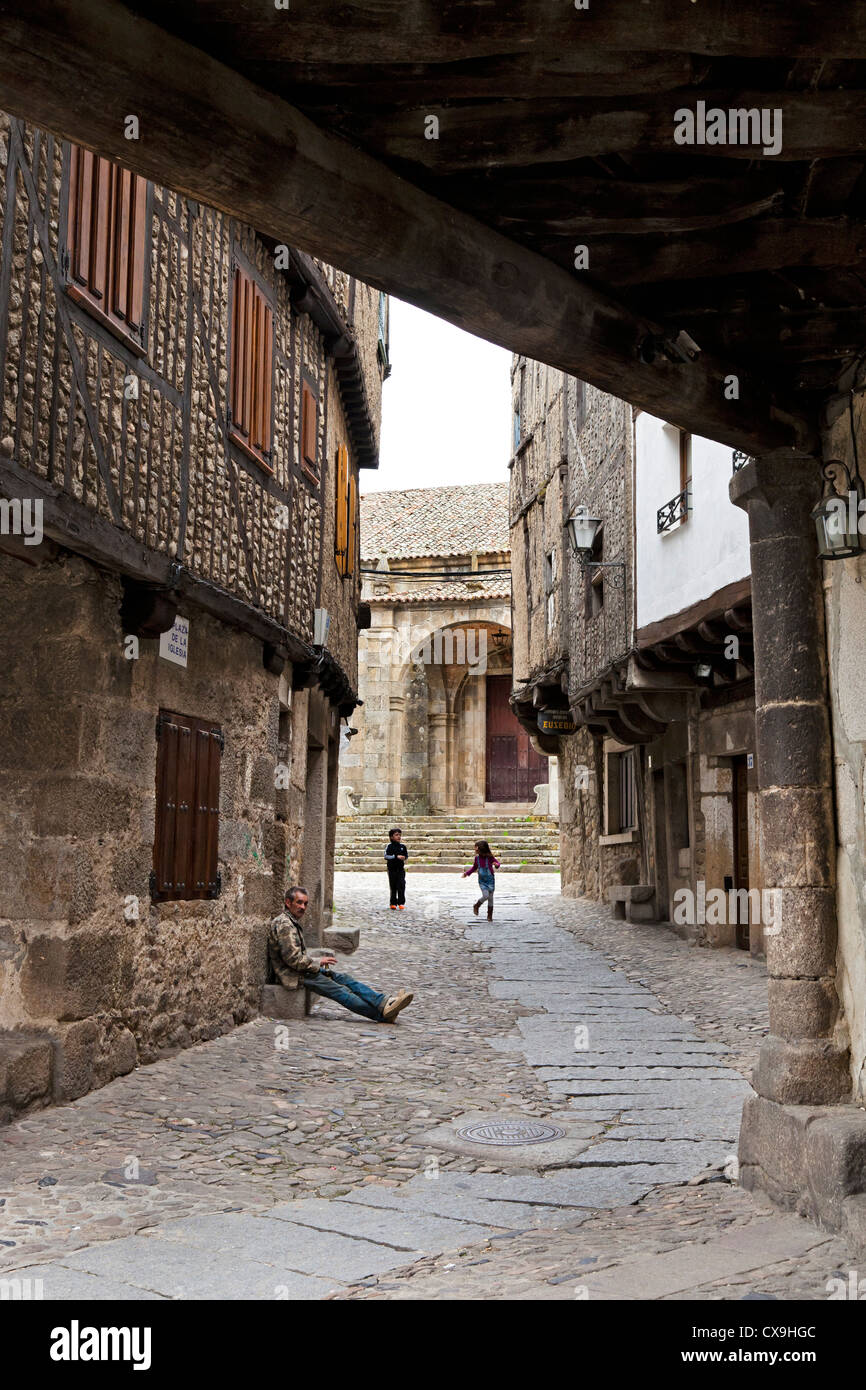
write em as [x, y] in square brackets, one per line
[143, 438]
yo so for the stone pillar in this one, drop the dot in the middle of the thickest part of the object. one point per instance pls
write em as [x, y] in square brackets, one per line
[438, 756]
[396, 712]
[804, 1060]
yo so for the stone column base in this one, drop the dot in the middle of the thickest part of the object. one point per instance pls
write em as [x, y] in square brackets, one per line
[810, 1159]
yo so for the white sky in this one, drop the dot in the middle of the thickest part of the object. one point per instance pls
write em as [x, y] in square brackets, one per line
[446, 407]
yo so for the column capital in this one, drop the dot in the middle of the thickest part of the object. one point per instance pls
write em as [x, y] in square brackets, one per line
[777, 476]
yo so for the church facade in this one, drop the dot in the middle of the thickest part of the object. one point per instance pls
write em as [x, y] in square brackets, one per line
[436, 733]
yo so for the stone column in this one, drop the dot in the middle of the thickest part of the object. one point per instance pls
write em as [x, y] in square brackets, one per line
[438, 755]
[802, 1061]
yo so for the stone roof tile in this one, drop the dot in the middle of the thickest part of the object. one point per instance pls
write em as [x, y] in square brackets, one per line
[435, 521]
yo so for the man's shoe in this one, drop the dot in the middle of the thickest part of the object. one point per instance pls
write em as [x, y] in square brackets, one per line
[393, 907]
[402, 907]
[395, 1003]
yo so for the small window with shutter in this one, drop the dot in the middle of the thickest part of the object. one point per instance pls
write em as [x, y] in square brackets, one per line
[341, 531]
[186, 836]
[108, 243]
[352, 554]
[252, 365]
[309, 430]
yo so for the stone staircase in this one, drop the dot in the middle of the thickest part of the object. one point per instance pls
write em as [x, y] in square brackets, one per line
[444, 844]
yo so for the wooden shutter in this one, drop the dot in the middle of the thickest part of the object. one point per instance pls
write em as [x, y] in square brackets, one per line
[252, 352]
[186, 838]
[309, 430]
[353, 525]
[107, 242]
[341, 541]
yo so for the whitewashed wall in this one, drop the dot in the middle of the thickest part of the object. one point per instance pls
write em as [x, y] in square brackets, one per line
[683, 566]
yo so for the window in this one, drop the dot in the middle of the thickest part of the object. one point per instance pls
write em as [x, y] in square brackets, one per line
[620, 798]
[346, 533]
[351, 558]
[186, 834]
[594, 594]
[309, 431]
[250, 408]
[516, 427]
[685, 444]
[382, 343]
[550, 571]
[107, 243]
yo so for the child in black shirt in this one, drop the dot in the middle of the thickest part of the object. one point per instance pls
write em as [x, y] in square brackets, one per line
[396, 855]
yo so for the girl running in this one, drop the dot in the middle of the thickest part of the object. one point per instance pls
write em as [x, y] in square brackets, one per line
[485, 863]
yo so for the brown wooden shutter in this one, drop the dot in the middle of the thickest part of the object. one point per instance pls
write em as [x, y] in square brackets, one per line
[341, 536]
[186, 838]
[353, 525]
[309, 429]
[252, 354]
[107, 241]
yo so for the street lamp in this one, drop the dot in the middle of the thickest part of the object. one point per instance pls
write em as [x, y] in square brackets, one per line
[582, 531]
[837, 516]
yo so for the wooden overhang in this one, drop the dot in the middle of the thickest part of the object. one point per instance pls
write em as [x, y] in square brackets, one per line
[556, 130]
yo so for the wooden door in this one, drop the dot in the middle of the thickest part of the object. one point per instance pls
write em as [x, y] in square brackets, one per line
[661, 845]
[741, 843]
[514, 768]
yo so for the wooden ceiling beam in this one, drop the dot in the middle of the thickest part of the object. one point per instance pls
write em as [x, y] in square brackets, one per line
[210, 134]
[418, 31]
[767, 244]
[813, 125]
[335, 86]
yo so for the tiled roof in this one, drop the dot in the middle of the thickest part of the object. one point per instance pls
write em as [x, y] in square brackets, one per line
[435, 521]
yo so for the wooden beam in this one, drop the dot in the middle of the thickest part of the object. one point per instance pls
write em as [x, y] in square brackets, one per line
[813, 125]
[771, 243]
[212, 135]
[418, 31]
[333, 86]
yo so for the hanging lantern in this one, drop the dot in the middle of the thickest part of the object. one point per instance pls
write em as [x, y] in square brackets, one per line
[837, 515]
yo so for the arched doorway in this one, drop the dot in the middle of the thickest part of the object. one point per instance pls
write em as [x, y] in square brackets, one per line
[514, 768]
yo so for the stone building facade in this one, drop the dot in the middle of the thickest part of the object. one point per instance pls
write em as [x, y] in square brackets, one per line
[185, 407]
[435, 732]
[643, 643]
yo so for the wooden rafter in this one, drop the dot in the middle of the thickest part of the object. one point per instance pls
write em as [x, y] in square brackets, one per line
[209, 133]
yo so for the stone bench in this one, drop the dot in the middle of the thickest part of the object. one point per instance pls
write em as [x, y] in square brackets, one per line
[633, 902]
[282, 1003]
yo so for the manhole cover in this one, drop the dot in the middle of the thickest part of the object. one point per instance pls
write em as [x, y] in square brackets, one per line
[511, 1132]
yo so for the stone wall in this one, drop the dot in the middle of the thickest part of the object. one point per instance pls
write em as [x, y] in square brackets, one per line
[87, 960]
[575, 450]
[845, 610]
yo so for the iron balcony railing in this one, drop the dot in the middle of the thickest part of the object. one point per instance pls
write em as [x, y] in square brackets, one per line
[675, 511]
[740, 460]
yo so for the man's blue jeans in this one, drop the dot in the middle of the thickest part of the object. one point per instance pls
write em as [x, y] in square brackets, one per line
[348, 992]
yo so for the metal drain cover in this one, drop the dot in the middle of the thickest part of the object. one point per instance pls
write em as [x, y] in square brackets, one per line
[511, 1132]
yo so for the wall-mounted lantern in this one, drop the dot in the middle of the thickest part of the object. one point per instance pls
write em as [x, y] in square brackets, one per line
[837, 515]
[582, 531]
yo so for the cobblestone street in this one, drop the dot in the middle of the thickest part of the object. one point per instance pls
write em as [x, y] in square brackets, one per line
[321, 1158]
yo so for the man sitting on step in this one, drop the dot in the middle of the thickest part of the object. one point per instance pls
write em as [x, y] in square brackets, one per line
[291, 964]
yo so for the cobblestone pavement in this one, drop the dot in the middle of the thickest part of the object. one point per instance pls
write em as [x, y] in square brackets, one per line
[320, 1158]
